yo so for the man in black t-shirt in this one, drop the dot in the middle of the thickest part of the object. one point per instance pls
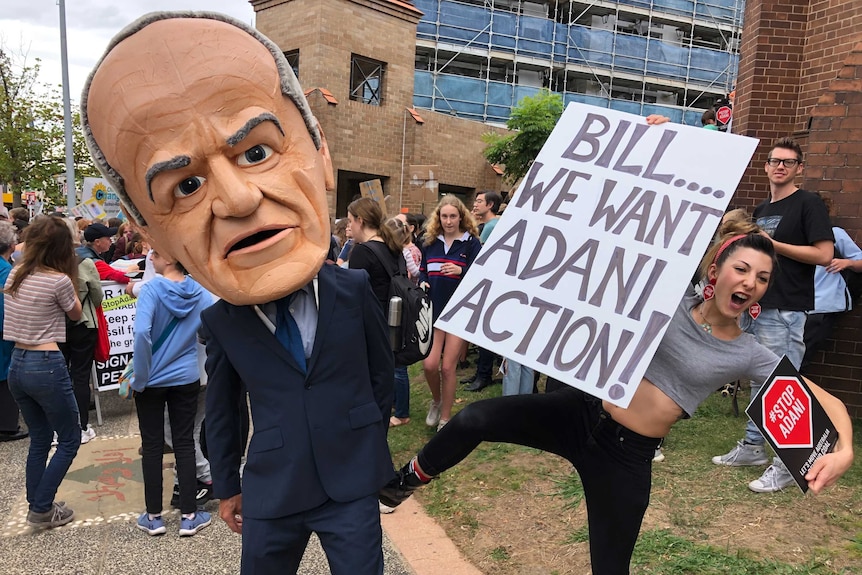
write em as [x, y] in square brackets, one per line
[799, 226]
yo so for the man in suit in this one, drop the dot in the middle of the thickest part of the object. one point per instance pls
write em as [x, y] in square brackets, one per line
[204, 132]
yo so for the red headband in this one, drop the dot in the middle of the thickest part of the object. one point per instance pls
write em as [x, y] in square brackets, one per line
[726, 244]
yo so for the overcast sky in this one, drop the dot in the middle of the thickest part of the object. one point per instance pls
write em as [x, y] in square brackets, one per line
[34, 27]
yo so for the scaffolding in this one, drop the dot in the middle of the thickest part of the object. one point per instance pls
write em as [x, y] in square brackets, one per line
[476, 59]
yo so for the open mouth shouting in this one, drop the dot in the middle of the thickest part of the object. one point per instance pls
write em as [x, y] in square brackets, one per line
[739, 299]
[257, 241]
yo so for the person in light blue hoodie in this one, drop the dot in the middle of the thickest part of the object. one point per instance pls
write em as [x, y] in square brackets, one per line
[167, 373]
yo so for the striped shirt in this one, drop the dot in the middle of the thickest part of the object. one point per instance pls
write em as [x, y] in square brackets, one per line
[36, 314]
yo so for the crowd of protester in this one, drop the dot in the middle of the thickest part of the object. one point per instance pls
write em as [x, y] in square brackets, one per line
[63, 261]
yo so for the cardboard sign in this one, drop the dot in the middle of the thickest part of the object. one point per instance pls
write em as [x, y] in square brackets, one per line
[119, 310]
[374, 189]
[585, 268]
[792, 421]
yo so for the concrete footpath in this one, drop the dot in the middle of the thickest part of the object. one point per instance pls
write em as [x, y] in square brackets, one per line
[105, 488]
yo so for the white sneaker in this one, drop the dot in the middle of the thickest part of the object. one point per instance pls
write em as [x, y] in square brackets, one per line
[775, 478]
[659, 456]
[433, 417]
[442, 424]
[742, 455]
[87, 434]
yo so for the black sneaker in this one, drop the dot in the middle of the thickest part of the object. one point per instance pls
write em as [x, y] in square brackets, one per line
[203, 495]
[400, 487]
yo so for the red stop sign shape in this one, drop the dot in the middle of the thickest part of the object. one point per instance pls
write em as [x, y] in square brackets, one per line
[723, 114]
[787, 413]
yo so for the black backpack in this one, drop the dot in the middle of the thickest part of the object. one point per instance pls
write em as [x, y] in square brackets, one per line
[413, 336]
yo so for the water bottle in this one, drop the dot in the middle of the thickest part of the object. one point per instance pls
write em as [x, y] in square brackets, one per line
[394, 318]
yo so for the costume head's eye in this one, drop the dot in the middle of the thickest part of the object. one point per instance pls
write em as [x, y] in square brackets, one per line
[254, 155]
[189, 186]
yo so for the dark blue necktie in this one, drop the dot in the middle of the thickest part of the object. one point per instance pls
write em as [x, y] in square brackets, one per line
[287, 331]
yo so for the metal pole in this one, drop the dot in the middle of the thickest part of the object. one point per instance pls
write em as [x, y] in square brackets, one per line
[67, 113]
[403, 151]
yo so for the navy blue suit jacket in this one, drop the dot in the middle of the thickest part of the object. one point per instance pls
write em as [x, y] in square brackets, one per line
[317, 436]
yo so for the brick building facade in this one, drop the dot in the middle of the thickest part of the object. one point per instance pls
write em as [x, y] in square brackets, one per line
[390, 142]
[800, 74]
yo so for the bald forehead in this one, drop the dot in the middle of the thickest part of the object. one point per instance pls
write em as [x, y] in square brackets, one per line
[169, 46]
[171, 57]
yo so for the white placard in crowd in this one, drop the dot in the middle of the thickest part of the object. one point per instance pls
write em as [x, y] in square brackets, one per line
[98, 190]
[119, 311]
[584, 270]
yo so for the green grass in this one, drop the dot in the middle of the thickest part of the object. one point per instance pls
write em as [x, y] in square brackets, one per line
[659, 552]
[691, 495]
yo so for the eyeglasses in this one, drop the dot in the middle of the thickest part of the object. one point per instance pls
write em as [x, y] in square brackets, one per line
[788, 162]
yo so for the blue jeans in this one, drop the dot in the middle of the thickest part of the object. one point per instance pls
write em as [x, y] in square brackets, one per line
[40, 383]
[518, 379]
[402, 392]
[782, 333]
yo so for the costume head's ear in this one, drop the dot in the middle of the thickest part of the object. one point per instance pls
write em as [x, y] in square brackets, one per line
[327, 160]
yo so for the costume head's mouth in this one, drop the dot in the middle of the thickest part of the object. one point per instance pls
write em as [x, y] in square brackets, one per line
[257, 239]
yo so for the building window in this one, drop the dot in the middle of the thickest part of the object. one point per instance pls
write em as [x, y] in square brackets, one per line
[293, 59]
[366, 80]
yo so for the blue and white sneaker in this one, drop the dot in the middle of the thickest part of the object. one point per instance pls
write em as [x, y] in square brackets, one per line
[153, 526]
[189, 527]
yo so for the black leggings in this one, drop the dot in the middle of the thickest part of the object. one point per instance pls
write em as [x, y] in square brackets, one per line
[614, 463]
[182, 402]
[78, 349]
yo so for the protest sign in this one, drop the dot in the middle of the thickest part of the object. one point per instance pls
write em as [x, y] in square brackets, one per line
[590, 259]
[98, 191]
[374, 189]
[792, 421]
[119, 311]
[91, 209]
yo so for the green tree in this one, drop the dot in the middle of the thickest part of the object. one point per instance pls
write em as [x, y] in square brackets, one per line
[532, 121]
[32, 145]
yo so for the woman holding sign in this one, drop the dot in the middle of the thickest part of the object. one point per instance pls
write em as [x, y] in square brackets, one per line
[450, 246]
[612, 447]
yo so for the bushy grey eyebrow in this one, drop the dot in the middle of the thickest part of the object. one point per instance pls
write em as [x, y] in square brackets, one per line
[241, 134]
[174, 163]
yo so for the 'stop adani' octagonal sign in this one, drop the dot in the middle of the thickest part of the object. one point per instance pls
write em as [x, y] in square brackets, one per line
[792, 421]
[787, 413]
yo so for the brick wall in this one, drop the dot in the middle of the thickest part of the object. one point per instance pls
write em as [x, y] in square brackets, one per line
[800, 74]
[791, 51]
[767, 87]
[834, 163]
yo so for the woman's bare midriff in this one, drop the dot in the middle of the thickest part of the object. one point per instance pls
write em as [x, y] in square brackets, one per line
[650, 413]
[50, 346]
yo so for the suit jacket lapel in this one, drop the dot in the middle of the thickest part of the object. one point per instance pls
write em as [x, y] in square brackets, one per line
[325, 306]
[246, 315]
